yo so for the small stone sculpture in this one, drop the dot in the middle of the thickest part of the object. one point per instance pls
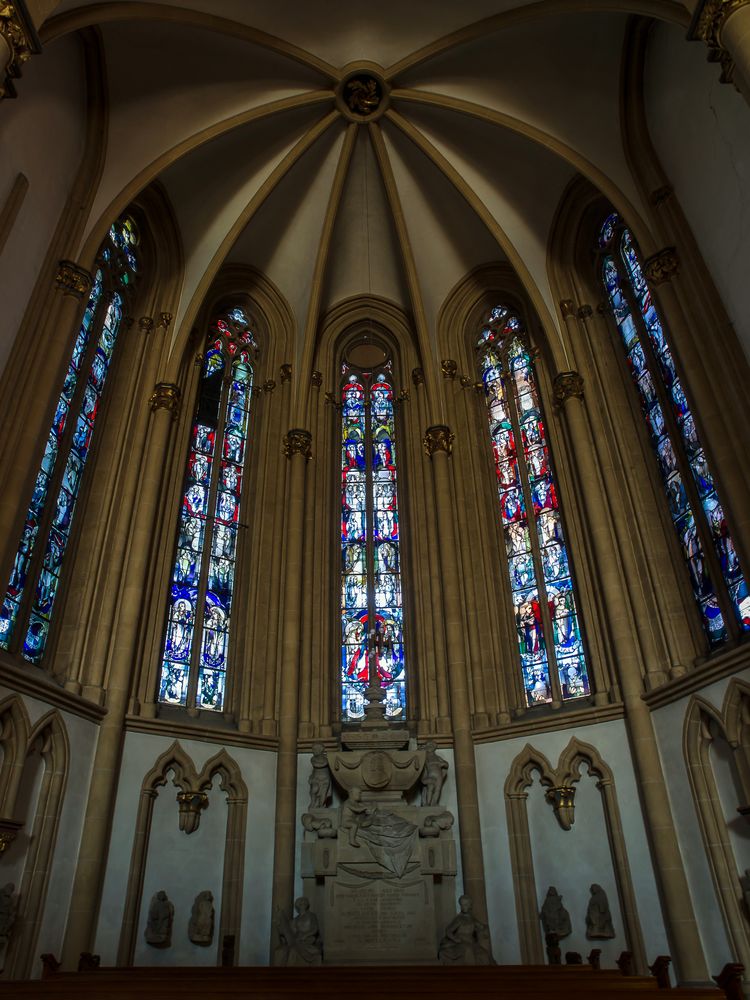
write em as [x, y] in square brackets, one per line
[433, 775]
[320, 778]
[300, 942]
[466, 940]
[319, 824]
[598, 918]
[8, 909]
[201, 924]
[555, 918]
[745, 883]
[158, 931]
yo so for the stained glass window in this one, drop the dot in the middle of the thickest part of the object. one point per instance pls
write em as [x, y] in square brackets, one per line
[553, 659]
[35, 579]
[371, 607]
[695, 508]
[196, 642]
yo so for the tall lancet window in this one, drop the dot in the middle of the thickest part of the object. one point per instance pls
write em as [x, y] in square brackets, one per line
[553, 660]
[196, 643]
[695, 508]
[34, 583]
[371, 608]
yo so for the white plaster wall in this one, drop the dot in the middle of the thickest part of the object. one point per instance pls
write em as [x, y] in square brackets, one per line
[669, 725]
[701, 131]
[42, 136]
[574, 867]
[82, 737]
[181, 868]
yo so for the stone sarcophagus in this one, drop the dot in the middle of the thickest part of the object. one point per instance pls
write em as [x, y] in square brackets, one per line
[381, 866]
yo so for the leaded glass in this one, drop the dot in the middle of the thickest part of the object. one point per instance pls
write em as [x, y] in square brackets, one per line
[70, 435]
[371, 607]
[553, 661]
[196, 642]
[693, 501]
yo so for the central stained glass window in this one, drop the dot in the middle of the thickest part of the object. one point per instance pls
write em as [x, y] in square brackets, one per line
[371, 607]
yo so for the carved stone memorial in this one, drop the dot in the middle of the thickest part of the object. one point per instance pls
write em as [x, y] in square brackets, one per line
[300, 941]
[466, 940]
[555, 918]
[320, 778]
[598, 916]
[158, 931]
[380, 869]
[201, 924]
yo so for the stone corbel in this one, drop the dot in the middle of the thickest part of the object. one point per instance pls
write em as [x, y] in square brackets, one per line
[18, 42]
[191, 805]
[562, 800]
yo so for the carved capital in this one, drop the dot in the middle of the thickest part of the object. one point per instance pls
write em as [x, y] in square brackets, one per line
[165, 320]
[567, 385]
[448, 367]
[298, 441]
[269, 385]
[191, 805]
[438, 438]
[166, 396]
[316, 379]
[585, 311]
[17, 31]
[709, 19]
[72, 279]
[8, 832]
[417, 376]
[285, 373]
[663, 266]
[660, 195]
[567, 308]
[146, 324]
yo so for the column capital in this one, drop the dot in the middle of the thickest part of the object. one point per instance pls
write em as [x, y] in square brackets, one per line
[438, 438]
[585, 311]
[72, 279]
[662, 266]
[567, 308]
[146, 324]
[298, 441]
[417, 376]
[21, 40]
[709, 18]
[285, 373]
[166, 396]
[448, 367]
[316, 379]
[567, 385]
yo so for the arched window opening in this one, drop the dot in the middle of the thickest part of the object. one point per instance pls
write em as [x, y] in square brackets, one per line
[697, 513]
[371, 606]
[553, 660]
[196, 643]
[35, 579]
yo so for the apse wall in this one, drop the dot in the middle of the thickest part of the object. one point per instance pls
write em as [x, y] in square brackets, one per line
[701, 131]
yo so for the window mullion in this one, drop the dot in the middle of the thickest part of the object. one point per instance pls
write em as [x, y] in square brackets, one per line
[369, 527]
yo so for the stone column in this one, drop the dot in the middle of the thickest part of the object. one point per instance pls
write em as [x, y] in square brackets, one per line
[438, 443]
[682, 929]
[724, 25]
[92, 855]
[297, 449]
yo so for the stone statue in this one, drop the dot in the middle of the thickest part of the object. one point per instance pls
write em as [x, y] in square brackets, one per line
[158, 931]
[320, 778]
[555, 918]
[390, 838]
[321, 825]
[466, 940]
[201, 924]
[300, 938]
[598, 917]
[433, 775]
[8, 910]
[354, 815]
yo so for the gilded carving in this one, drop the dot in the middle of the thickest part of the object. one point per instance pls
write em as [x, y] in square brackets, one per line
[285, 373]
[448, 367]
[585, 311]
[191, 804]
[298, 441]
[166, 396]
[566, 386]
[22, 41]
[567, 308]
[72, 279]
[269, 385]
[146, 324]
[709, 19]
[362, 95]
[662, 266]
[417, 376]
[562, 800]
[316, 379]
[165, 320]
[438, 438]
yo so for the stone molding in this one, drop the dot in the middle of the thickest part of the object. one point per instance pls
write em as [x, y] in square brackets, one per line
[71, 279]
[438, 438]
[166, 396]
[18, 32]
[662, 266]
[567, 385]
[298, 441]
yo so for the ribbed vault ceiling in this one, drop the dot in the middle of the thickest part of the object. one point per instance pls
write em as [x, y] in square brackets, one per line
[483, 133]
